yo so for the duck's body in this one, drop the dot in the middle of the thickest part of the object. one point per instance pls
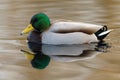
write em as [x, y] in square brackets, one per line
[70, 33]
[64, 32]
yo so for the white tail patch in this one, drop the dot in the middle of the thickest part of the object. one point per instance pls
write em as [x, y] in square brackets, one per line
[104, 33]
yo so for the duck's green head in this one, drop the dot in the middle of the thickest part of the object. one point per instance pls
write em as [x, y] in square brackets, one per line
[39, 22]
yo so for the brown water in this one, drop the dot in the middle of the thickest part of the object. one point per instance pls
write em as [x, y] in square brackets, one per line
[15, 15]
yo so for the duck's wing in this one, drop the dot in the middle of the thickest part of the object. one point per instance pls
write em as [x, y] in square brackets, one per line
[67, 38]
[68, 27]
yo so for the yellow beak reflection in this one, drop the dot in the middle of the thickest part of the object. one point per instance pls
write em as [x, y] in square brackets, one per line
[28, 55]
[27, 29]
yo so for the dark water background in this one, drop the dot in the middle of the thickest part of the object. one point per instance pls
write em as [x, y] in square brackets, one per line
[15, 15]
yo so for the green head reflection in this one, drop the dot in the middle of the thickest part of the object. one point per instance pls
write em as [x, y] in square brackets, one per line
[40, 61]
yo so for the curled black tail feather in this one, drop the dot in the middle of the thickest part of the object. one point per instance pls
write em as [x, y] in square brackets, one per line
[103, 29]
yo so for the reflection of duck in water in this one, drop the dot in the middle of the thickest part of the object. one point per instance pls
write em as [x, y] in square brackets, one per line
[38, 60]
[64, 32]
[63, 53]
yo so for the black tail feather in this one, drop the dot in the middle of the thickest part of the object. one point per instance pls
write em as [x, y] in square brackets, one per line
[100, 31]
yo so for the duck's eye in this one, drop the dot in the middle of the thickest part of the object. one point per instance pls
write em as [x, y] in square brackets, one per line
[33, 20]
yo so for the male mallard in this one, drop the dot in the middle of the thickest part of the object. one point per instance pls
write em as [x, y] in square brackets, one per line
[65, 32]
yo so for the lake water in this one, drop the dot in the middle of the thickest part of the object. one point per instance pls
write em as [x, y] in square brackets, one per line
[15, 16]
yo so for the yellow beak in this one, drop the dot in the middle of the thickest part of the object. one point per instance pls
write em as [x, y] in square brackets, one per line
[27, 29]
[28, 55]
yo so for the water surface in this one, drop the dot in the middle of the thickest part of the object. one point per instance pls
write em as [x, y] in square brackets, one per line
[15, 15]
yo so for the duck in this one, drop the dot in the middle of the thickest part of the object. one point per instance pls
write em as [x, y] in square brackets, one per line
[63, 32]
